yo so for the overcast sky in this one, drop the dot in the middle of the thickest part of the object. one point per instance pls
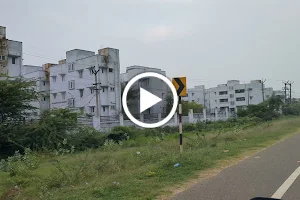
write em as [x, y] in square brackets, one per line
[208, 41]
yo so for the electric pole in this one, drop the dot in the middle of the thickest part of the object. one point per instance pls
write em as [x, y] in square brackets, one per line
[290, 83]
[262, 89]
[285, 84]
[95, 72]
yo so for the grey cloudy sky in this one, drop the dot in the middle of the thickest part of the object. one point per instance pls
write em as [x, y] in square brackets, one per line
[208, 41]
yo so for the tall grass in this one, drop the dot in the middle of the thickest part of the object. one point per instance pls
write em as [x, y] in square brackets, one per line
[143, 166]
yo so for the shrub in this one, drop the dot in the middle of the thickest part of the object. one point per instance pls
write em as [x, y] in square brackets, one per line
[20, 165]
[86, 137]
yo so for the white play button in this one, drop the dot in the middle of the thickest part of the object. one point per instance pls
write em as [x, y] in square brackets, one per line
[147, 100]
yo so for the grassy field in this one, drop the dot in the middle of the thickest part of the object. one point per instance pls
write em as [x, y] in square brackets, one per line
[141, 168]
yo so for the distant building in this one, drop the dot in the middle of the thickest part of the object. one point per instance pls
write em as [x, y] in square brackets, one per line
[10, 55]
[153, 85]
[72, 82]
[40, 75]
[196, 94]
[279, 93]
[232, 95]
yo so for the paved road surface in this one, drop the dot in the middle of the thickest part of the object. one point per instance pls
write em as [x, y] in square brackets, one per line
[260, 175]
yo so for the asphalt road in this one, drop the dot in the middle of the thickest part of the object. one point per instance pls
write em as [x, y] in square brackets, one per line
[261, 175]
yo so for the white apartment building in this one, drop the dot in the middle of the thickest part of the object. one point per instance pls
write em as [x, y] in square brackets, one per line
[195, 94]
[153, 85]
[40, 75]
[10, 55]
[232, 95]
[72, 82]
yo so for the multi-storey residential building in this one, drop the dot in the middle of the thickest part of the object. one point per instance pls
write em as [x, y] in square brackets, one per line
[72, 82]
[153, 85]
[40, 75]
[232, 95]
[10, 55]
[196, 94]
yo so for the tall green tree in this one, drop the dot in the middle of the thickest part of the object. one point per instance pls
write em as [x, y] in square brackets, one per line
[15, 104]
[168, 102]
[186, 106]
[15, 99]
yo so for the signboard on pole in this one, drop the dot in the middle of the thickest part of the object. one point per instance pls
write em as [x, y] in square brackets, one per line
[180, 85]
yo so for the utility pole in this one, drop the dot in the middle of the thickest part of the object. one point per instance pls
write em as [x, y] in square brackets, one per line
[285, 84]
[95, 72]
[290, 83]
[262, 89]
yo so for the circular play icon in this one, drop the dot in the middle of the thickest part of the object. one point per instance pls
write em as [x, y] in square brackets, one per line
[147, 99]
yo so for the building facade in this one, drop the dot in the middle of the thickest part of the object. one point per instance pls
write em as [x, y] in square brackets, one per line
[72, 82]
[39, 74]
[231, 96]
[153, 85]
[10, 56]
[196, 94]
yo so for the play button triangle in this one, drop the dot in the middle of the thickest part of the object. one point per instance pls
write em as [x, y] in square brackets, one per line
[147, 100]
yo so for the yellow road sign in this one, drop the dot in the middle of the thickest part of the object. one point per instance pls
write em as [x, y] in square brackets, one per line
[180, 85]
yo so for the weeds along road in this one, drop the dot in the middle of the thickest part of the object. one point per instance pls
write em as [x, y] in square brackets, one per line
[272, 172]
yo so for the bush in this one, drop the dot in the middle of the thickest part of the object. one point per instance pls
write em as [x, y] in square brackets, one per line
[86, 137]
[188, 127]
[20, 165]
[130, 131]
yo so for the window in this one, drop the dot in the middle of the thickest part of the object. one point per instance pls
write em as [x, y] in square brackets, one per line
[103, 107]
[222, 92]
[80, 73]
[54, 79]
[232, 103]
[44, 83]
[103, 90]
[44, 98]
[2, 57]
[91, 70]
[71, 67]
[193, 100]
[62, 77]
[231, 96]
[63, 95]
[54, 95]
[92, 109]
[110, 70]
[240, 91]
[250, 89]
[187, 94]
[102, 70]
[230, 87]
[251, 97]
[112, 89]
[13, 60]
[71, 85]
[92, 90]
[192, 94]
[71, 102]
[81, 92]
[240, 99]
[223, 100]
[113, 107]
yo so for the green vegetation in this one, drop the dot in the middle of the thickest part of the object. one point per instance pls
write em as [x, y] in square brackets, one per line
[54, 158]
[186, 106]
[140, 166]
